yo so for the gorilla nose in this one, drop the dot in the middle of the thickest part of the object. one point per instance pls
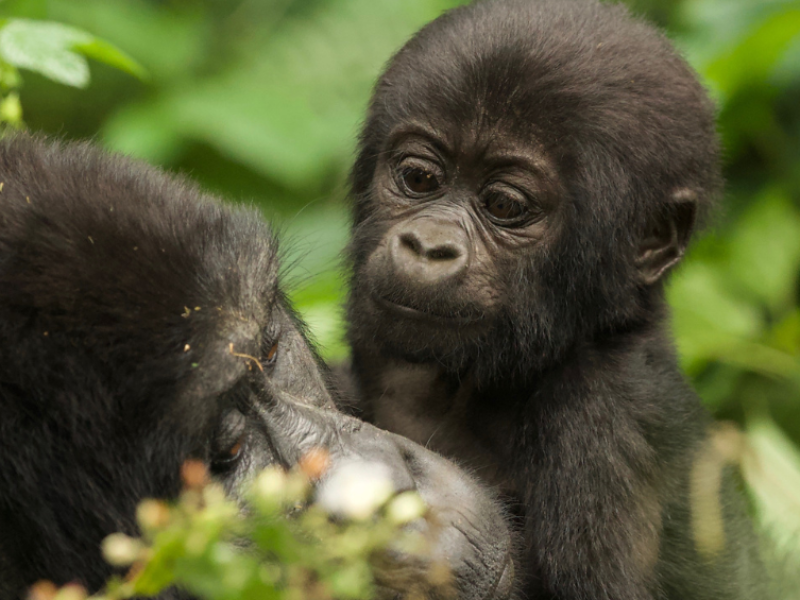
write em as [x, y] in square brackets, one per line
[429, 251]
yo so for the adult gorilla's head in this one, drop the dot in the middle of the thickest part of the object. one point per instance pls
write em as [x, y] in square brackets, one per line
[142, 324]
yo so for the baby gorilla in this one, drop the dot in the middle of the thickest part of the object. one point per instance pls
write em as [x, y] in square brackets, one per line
[528, 173]
[142, 324]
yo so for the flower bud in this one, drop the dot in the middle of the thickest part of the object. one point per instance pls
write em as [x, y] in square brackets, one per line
[405, 507]
[355, 489]
[152, 514]
[120, 550]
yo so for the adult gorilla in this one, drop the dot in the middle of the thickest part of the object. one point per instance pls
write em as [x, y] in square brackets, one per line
[127, 301]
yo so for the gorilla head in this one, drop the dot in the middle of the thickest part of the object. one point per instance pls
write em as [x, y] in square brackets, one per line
[142, 324]
[527, 173]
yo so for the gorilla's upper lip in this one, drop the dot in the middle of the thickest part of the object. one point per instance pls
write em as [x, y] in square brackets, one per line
[424, 315]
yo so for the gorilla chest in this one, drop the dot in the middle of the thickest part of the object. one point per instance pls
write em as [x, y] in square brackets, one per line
[417, 402]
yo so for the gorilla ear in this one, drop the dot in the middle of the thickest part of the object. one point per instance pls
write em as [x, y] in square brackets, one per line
[667, 236]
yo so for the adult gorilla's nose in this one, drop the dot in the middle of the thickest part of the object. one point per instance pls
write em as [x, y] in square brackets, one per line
[472, 537]
[429, 250]
[464, 524]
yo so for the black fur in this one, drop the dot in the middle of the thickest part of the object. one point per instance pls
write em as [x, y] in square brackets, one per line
[128, 301]
[537, 350]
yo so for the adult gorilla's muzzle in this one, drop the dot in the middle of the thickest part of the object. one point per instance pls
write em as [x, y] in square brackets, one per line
[464, 523]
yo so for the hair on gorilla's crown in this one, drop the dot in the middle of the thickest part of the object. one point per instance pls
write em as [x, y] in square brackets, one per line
[110, 255]
[617, 119]
[587, 75]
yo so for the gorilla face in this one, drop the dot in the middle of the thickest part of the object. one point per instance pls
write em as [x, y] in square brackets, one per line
[142, 324]
[455, 212]
[504, 204]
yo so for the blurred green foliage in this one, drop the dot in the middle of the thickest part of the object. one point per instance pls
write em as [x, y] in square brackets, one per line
[261, 100]
[207, 545]
[56, 51]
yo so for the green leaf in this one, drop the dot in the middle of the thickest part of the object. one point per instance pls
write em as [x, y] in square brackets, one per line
[290, 110]
[57, 51]
[754, 59]
[104, 52]
[706, 316]
[765, 250]
[171, 39]
[11, 109]
[772, 470]
[45, 47]
[712, 324]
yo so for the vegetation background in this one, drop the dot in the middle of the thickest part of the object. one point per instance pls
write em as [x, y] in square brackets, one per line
[260, 100]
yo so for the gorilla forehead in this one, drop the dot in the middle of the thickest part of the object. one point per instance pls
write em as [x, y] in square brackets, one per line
[582, 79]
[127, 269]
[93, 265]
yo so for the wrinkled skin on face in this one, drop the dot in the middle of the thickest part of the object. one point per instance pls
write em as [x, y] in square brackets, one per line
[142, 324]
[528, 173]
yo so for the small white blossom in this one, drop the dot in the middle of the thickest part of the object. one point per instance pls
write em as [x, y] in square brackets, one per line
[355, 489]
[120, 550]
[405, 508]
[270, 485]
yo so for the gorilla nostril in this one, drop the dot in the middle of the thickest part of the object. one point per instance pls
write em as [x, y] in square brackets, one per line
[409, 240]
[444, 252]
[429, 249]
[429, 252]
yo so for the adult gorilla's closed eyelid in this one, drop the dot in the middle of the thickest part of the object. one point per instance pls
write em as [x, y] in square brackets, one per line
[294, 428]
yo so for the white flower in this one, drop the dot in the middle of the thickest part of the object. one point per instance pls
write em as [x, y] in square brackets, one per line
[270, 485]
[355, 489]
[120, 550]
[405, 508]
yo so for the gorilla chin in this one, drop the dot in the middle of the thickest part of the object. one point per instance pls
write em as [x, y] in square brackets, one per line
[142, 323]
[420, 336]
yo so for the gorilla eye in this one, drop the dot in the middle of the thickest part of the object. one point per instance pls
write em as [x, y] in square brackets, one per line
[419, 181]
[272, 354]
[226, 448]
[506, 209]
[417, 177]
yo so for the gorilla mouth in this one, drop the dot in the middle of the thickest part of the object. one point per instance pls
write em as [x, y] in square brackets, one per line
[427, 316]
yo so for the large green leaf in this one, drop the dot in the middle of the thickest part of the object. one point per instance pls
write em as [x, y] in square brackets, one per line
[713, 324]
[171, 39]
[765, 250]
[58, 51]
[291, 108]
[755, 57]
[706, 316]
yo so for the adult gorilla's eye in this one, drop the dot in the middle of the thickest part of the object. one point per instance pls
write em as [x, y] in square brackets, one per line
[272, 355]
[505, 209]
[226, 448]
